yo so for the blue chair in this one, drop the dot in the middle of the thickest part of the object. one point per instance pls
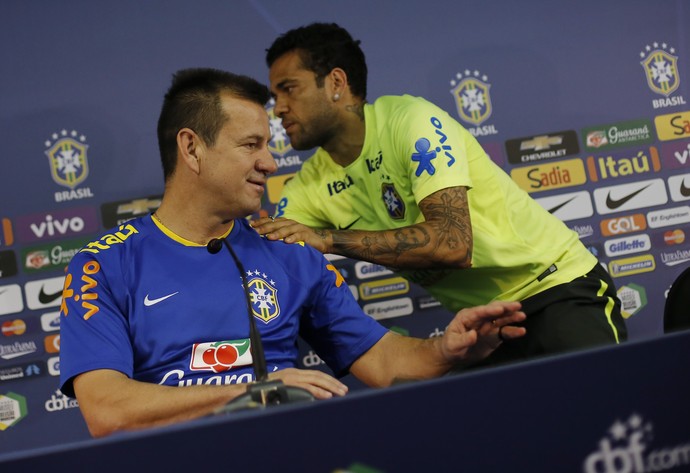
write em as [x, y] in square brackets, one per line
[677, 308]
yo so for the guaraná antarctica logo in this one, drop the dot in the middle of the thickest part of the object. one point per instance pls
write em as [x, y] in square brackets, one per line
[473, 101]
[660, 65]
[624, 450]
[69, 165]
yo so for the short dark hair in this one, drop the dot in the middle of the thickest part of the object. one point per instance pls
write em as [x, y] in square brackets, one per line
[323, 47]
[193, 101]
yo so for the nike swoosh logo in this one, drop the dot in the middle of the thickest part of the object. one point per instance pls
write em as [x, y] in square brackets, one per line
[615, 203]
[346, 227]
[560, 206]
[684, 191]
[149, 302]
[45, 298]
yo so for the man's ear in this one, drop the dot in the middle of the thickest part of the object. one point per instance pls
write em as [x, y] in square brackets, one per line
[190, 148]
[337, 79]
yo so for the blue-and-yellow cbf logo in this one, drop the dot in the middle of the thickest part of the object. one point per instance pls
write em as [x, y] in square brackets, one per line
[68, 161]
[279, 144]
[661, 69]
[264, 299]
[472, 98]
[394, 204]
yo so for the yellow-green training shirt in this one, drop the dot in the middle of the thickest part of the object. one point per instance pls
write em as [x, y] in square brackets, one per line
[412, 149]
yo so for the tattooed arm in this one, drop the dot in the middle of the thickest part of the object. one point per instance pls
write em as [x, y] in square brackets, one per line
[444, 239]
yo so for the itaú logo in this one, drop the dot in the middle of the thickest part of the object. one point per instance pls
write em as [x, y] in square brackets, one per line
[624, 450]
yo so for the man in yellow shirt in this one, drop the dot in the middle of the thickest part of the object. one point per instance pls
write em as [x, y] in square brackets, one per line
[402, 184]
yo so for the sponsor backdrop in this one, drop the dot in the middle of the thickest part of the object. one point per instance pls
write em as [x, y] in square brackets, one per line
[583, 103]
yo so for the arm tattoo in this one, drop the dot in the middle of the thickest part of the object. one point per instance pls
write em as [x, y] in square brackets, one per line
[447, 212]
[447, 229]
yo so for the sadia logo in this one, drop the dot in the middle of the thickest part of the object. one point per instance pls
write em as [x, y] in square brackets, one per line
[673, 126]
[69, 164]
[220, 356]
[623, 450]
[473, 101]
[544, 177]
[660, 65]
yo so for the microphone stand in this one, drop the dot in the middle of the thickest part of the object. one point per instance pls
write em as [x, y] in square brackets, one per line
[263, 392]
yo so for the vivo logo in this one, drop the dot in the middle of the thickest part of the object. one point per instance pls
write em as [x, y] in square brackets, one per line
[57, 227]
[57, 224]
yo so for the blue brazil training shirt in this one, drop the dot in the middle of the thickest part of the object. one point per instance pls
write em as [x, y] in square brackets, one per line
[144, 301]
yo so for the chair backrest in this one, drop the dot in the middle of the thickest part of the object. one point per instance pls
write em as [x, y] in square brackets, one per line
[677, 308]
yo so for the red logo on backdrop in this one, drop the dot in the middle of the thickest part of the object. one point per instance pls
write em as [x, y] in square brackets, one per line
[13, 327]
[674, 237]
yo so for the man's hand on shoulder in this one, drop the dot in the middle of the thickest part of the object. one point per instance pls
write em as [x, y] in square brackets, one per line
[291, 231]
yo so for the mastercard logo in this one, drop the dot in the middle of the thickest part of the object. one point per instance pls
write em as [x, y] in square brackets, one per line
[674, 237]
[13, 327]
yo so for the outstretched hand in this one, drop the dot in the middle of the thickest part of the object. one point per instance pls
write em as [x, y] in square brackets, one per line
[291, 231]
[476, 332]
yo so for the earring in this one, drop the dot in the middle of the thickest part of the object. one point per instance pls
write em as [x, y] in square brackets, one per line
[336, 97]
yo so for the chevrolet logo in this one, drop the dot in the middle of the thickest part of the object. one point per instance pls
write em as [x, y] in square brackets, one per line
[539, 143]
[138, 206]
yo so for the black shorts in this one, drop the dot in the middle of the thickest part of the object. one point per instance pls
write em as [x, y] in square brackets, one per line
[583, 313]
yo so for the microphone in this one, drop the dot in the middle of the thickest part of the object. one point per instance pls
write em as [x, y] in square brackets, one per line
[214, 246]
[262, 393]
